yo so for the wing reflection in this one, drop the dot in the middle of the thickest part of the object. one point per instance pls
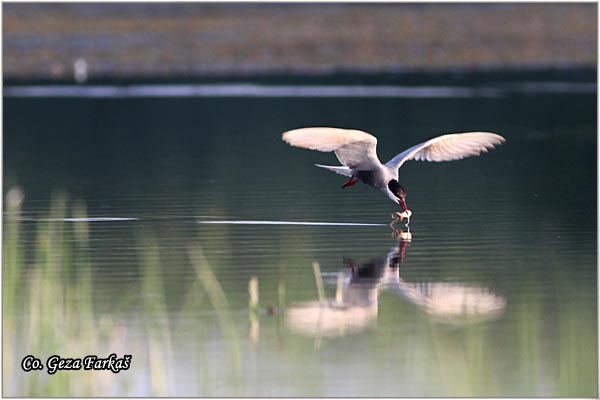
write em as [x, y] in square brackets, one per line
[355, 305]
[454, 303]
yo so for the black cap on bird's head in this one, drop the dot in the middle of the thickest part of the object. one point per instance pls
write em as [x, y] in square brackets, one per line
[399, 192]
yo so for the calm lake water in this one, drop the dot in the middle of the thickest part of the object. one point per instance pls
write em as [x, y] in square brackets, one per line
[495, 295]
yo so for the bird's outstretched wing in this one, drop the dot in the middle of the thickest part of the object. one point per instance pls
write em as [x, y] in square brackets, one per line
[355, 149]
[453, 146]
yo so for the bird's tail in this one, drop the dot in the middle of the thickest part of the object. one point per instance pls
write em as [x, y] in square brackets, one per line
[338, 170]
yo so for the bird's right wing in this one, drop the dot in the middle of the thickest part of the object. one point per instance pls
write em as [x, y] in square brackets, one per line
[355, 149]
[453, 146]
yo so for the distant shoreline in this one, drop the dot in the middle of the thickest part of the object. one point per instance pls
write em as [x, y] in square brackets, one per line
[196, 41]
[471, 77]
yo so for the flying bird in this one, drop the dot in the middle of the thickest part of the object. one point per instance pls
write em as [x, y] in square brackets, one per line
[356, 151]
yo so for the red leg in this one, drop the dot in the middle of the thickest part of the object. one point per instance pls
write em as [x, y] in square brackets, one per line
[351, 182]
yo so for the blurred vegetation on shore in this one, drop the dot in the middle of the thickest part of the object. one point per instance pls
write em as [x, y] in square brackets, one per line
[194, 40]
[50, 306]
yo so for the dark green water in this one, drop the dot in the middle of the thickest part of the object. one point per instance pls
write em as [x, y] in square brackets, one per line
[494, 296]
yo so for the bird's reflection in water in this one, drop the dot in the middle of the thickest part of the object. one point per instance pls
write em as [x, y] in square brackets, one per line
[355, 306]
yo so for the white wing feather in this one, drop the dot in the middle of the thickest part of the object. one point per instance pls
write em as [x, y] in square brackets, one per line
[453, 146]
[355, 149]
[338, 170]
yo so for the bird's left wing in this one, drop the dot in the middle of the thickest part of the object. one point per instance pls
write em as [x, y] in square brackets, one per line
[354, 149]
[453, 146]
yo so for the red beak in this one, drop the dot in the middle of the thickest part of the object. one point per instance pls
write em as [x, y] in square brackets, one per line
[402, 204]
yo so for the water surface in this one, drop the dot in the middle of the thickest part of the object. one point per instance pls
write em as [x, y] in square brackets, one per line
[495, 295]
